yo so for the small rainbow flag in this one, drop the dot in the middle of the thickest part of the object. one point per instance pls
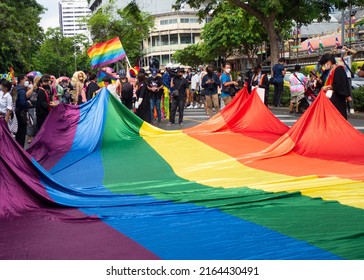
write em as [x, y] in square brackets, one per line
[102, 54]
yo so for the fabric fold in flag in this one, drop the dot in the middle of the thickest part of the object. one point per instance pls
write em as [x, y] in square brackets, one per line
[105, 53]
[188, 194]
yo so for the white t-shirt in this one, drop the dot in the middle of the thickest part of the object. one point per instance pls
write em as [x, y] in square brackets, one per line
[6, 102]
[194, 81]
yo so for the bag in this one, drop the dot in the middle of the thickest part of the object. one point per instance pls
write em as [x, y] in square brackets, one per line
[13, 123]
[233, 90]
[175, 93]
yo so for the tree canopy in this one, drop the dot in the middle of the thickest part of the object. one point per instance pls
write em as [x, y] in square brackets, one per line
[20, 34]
[60, 55]
[275, 16]
[130, 24]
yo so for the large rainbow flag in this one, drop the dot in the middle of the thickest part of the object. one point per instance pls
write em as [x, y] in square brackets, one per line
[99, 183]
[105, 53]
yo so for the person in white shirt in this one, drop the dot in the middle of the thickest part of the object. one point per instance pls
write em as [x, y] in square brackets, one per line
[6, 101]
[195, 82]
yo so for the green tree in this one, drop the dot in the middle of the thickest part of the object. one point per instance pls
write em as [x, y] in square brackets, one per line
[60, 55]
[130, 24]
[20, 33]
[275, 16]
[193, 55]
[233, 32]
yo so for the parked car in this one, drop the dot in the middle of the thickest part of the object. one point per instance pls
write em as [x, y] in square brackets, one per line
[357, 82]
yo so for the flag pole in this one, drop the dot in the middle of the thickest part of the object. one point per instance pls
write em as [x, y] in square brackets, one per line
[127, 60]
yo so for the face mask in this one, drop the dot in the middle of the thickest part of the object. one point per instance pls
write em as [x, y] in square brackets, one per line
[327, 66]
[47, 86]
[228, 70]
[26, 83]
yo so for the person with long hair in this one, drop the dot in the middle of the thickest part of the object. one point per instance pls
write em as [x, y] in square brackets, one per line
[78, 81]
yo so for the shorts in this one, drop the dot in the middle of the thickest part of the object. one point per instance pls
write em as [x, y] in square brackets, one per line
[298, 97]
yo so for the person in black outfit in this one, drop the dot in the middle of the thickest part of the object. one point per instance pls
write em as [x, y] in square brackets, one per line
[92, 87]
[155, 87]
[143, 100]
[260, 80]
[127, 91]
[181, 84]
[338, 82]
[43, 100]
[21, 109]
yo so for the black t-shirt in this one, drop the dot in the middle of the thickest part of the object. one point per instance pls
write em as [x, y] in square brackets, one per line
[155, 82]
[181, 84]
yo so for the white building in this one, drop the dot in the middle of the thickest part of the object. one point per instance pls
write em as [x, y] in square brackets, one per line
[71, 12]
[173, 30]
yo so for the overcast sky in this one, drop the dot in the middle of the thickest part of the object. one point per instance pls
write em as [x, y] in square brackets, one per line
[50, 17]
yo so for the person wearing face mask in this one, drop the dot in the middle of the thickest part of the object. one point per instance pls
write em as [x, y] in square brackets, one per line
[261, 81]
[43, 104]
[21, 108]
[181, 84]
[337, 82]
[210, 83]
[227, 82]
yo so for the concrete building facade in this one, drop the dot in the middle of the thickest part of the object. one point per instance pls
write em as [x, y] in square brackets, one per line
[70, 14]
[173, 30]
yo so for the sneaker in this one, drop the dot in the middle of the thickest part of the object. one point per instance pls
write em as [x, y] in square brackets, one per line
[190, 107]
[202, 106]
[181, 123]
[195, 107]
[352, 111]
[170, 124]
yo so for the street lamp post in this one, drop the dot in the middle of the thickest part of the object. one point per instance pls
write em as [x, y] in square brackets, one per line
[75, 55]
[290, 42]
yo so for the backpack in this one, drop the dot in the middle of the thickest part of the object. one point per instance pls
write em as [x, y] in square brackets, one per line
[127, 91]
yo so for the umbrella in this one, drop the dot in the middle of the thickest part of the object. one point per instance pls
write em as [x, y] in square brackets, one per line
[34, 73]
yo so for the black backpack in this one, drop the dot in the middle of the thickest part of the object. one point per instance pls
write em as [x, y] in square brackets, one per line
[127, 91]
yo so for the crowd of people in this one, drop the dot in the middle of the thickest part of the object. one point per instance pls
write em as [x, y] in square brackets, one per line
[158, 95]
[333, 75]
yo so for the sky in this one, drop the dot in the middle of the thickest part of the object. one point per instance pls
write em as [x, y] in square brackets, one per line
[50, 18]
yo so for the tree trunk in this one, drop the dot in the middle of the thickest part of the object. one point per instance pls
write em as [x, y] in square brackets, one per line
[273, 41]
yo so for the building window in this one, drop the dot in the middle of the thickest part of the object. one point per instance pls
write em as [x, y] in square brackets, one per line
[165, 59]
[164, 40]
[155, 41]
[168, 21]
[193, 20]
[173, 39]
[185, 20]
[187, 38]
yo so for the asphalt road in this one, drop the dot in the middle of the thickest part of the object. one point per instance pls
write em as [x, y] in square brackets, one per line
[194, 117]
